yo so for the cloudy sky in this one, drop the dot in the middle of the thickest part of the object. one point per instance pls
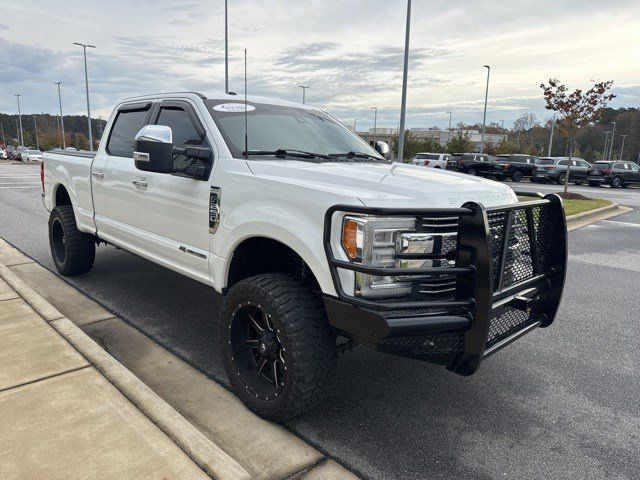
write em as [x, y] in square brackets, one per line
[348, 52]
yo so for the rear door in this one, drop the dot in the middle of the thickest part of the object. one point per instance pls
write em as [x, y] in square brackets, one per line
[112, 174]
[171, 209]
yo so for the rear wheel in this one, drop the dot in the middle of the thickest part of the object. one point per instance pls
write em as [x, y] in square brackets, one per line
[73, 251]
[616, 182]
[561, 178]
[278, 348]
[516, 176]
[472, 171]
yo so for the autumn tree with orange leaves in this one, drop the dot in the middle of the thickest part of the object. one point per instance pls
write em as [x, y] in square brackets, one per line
[576, 109]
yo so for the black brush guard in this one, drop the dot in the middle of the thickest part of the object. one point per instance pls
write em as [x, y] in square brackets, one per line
[499, 295]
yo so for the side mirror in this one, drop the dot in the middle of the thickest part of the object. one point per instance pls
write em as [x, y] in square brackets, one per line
[153, 149]
[383, 149]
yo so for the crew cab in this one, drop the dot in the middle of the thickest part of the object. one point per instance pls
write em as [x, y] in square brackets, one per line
[515, 166]
[472, 163]
[314, 239]
[615, 174]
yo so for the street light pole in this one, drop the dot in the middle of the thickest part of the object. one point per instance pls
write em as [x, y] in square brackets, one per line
[622, 146]
[613, 138]
[375, 119]
[304, 93]
[449, 131]
[484, 116]
[20, 120]
[405, 75]
[606, 145]
[35, 128]
[86, 82]
[226, 49]
[61, 117]
[553, 124]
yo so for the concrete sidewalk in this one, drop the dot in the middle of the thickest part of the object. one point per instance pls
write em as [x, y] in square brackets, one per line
[60, 418]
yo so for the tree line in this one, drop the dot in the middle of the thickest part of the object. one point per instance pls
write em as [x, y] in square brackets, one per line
[48, 130]
[531, 137]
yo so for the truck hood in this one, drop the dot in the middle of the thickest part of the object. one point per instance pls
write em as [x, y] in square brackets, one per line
[387, 185]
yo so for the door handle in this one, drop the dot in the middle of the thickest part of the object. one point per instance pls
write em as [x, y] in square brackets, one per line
[98, 174]
[142, 183]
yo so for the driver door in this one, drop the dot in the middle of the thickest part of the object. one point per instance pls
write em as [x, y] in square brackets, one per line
[171, 209]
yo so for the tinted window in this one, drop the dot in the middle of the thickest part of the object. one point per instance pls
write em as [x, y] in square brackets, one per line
[563, 162]
[184, 133]
[618, 166]
[516, 159]
[601, 165]
[547, 161]
[127, 124]
[468, 156]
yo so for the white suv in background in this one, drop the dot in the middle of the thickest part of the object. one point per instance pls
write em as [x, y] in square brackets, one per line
[433, 160]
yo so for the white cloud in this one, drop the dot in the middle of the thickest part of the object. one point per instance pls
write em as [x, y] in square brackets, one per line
[350, 53]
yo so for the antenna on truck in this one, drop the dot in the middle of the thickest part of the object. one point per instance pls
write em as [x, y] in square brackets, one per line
[246, 123]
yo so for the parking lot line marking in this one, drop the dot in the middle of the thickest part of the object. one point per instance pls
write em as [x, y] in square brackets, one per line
[624, 224]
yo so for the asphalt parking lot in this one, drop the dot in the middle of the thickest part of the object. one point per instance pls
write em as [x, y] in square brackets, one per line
[561, 403]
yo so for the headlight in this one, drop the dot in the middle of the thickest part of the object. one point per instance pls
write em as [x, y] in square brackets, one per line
[386, 242]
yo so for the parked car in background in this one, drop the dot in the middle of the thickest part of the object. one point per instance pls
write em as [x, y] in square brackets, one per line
[515, 166]
[71, 149]
[554, 169]
[16, 154]
[472, 163]
[3, 153]
[31, 156]
[433, 160]
[614, 174]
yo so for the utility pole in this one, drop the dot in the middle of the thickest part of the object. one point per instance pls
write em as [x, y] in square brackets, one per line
[449, 131]
[86, 82]
[613, 138]
[375, 119]
[484, 116]
[226, 49]
[20, 120]
[35, 128]
[61, 117]
[304, 93]
[405, 75]
[622, 146]
[606, 145]
[553, 124]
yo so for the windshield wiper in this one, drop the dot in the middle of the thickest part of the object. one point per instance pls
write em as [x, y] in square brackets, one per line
[281, 152]
[355, 155]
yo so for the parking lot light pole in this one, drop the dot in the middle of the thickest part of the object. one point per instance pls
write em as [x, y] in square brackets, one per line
[304, 93]
[86, 83]
[606, 145]
[553, 124]
[405, 75]
[622, 146]
[35, 128]
[449, 131]
[20, 120]
[613, 137]
[61, 117]
[375, 119]
[484, 116]
[226, 49]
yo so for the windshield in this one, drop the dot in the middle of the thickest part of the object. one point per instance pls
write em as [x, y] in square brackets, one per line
[275, 127]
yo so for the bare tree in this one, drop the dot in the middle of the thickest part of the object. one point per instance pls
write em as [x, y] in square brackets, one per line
[576, 109]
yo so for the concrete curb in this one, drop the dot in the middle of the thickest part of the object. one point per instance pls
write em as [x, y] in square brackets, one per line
[585, 218]
[208, 456]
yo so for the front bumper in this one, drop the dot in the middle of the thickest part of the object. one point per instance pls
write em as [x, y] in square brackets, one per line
[498, 297]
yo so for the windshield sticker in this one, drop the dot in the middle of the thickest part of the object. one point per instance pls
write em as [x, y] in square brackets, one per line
[233, 107]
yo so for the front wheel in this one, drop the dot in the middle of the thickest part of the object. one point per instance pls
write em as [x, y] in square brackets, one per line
[560, 179]
[73, 251]
[516, 176]
[472, 171]
[616, 182]
[278, 348]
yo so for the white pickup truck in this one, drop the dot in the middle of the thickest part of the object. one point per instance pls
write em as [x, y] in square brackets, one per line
[315, 239]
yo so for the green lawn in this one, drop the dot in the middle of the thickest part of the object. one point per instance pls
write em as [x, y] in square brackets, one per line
[572, 206]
